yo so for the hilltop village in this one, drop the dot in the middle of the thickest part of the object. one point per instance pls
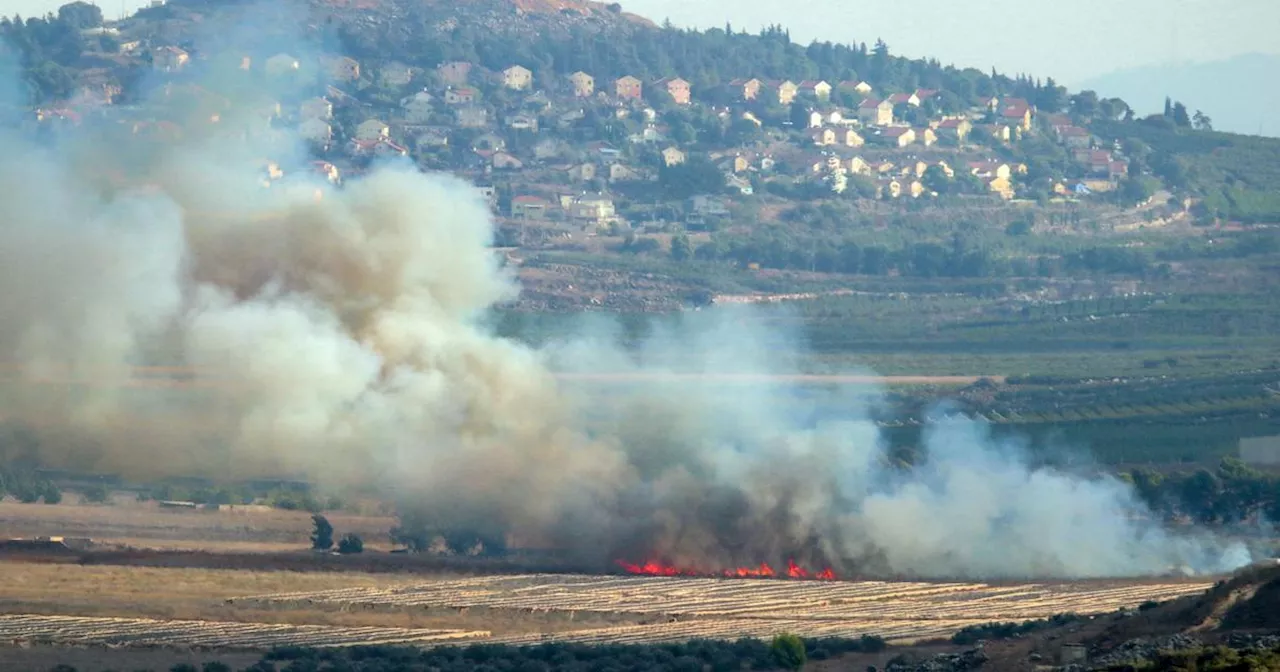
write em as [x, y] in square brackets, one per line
[589, 153]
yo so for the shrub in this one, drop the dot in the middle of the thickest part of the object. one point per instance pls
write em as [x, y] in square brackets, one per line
[322, 534]
[351, 544]
[96, 494]
[788, 651]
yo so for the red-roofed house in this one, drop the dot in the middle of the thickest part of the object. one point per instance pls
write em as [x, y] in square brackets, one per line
[783, 90]
[462, 95]
[874, 112]
[955, 129]
[908, 98]
[855, 86]
[925, 94]
[677, 88]
[1073, 136]
[816, 88]
[747, 89]
[628, 88]
[894, 136]
[529, 207]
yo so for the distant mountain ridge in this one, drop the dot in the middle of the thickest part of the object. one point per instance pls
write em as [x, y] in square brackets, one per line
[1237, 93]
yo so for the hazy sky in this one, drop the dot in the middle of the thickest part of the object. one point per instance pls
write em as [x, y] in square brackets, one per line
[1069, 41]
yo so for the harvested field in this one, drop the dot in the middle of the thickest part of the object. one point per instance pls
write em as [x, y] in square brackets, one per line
[685, 607]
[143, 632]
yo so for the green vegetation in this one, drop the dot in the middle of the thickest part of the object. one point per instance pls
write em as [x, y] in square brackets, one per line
[1207, 659]
[1233, 493]
[28, 486]
[322, 535]
[1237, 176]
[788, 651]
[351, 544]
[974, 633]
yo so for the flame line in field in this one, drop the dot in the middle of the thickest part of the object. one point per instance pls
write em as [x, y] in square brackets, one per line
[764, 571]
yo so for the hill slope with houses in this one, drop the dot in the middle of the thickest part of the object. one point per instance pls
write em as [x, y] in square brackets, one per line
[594, 131]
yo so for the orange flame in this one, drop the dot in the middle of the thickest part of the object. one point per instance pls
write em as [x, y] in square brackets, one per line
[658, 568]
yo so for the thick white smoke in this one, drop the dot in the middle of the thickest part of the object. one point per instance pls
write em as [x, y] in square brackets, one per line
[338, 335]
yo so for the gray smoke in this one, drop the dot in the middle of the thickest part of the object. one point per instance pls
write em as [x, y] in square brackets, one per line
[338, 335]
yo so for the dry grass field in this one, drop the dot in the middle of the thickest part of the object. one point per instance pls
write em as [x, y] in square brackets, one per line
[147, 525]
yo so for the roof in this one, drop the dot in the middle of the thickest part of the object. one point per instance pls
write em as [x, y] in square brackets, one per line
[742, 82]
[869, 103]
[900, 97]
[953, 122]
[811, 83]
[627, 78]
[1072, 131]
[516, 68]
[1014, 111]
[529, 200]
[895, 131]
[926, 93]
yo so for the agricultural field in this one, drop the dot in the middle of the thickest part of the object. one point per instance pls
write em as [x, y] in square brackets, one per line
[120, 607]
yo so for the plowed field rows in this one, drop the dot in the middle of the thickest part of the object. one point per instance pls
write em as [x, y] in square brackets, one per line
[147, 632]
[734, 608]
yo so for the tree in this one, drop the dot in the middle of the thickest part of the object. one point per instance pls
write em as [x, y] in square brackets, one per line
[788, 651]
[1201, 121]
[50, 493]
[935, 179]
[95, 494]
[351, 544]
[322, 535]
[80, 15]
[1180, 116]
[1085, 104]
[680, 247]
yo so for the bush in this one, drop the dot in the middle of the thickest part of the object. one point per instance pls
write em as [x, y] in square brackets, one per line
[322, 534]
[96, 494]
[350, 544]
[788, 651]
[50, 493]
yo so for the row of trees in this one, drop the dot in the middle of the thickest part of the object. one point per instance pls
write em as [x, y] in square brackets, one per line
[28, 486]
[1232, 493]
[49, 48]
[322, 537]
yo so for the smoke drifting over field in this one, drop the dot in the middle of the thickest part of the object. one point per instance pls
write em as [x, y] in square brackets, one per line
[342, 339]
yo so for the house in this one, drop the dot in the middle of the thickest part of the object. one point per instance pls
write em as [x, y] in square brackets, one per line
[816, 119]
[604, 152]
[816, 88]
[925, 94]
[431, 137]
[888, 188]
[736, 164]
[954, 129]
[1016, 111]
[672, 156]
[907, 98]
[677, 88]
[628, 88]
[819, 118]
[823, 137]
[341, 68]
[316, 131]
[417, 107]
[619, 172]
[517, 77]
[990, 103]
[522, 122]
[872, 112]
[394, 75]
[454, 73]
[926, 136]
[471, 116]
[372, 129]
[997, 131]
[783, 91]
[881, 167]
[537, 102]
[315, 108]
[584, 85]
[281, 65]
[1073, 137]
[894, 136]
[462, 95]
[746, 89]
[169, 59]
[378, 148]
[529, 207]
[593, 209]
[989, 169]
[583, 172]
[504, 161]
[849, 138]
[915, 188]
[858, 167]
[649, 134]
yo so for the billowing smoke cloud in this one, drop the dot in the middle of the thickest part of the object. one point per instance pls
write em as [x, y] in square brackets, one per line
[338, 335]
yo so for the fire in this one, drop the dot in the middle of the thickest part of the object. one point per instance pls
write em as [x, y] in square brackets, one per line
[794, 571]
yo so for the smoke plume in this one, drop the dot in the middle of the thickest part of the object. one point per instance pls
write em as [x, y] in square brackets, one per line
[338, 335]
